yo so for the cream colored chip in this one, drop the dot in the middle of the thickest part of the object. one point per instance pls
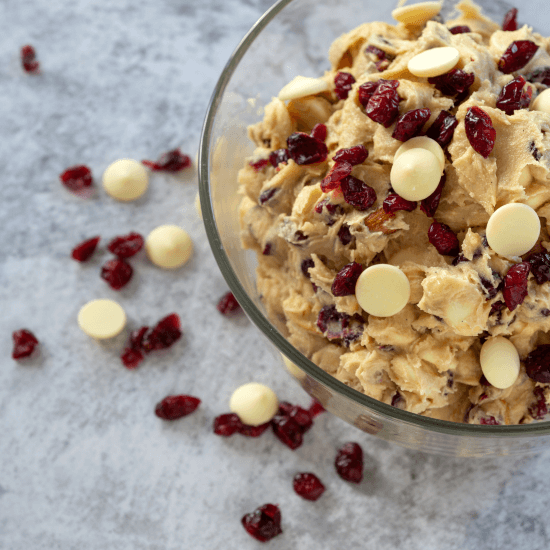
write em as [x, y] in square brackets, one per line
[434, 62]
[416, 14]
[169, 246]
[415, 175]
[254, 403]
[302, 86]
[513, 229]
[422, 142]
[125, 179]
[102, 319]
[499, 362]
[382, 290]
[542, 102]
[198, 205]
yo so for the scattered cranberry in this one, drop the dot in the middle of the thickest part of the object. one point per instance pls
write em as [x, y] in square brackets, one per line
[515, 285]
[429, 205]
[304, 149]
[346, 279]
[165, 333]
[28, 60]
[259, 164]
[540, 266]
[410, 124]
[460, 29]
[510, 22]
[172, 161]
[383, 106]
[264, 523]
[319, 132]
[76, 178]
[518, 54]
[315, 409]
[512, 96]
[366, 91]
[24, 343]
[287, 431]
[176, 406]
[349, 462]
[337, 173]
[452, 83]
[443, 128]
[301, 416]
[358, 193]
[278, 156]
[131, 358]
[539, 409]
[117, 273]
[126, 246]
[537, 364]
[83, 251]
[354, 155]
[343, 83]
[480, 131]
[228, 304]
[344, 234]
[540, 74]
[253, 431]
[443, 238]
[305, 267]
[393, 202]
[267, 195]
[308, 486]
[227, 424]
[136, 337]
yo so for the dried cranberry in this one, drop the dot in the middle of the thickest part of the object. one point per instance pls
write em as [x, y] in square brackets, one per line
[443, 238]
[497, 307]
[267, 195]
[454, 82]
[136, 338]
[358, 193]
[264, 523]
[76, 178]
[537, 364]
[383, 106]
[397, 400]
[126, 246]
[534, 151]
[227, 424]
[253, 431]
[515, 285]
[480, 131]
[429, 205]
[539, 409]
[489, 289]
[345, 235]
[510, 97]
[540, 74]
[339, 326]
[305, 266]
[259, 164]
[354, 155]
[301, 416]
[308, 486]
[510, 22]
[131, 358]
[287, 430]
[518, 54]
[228, 304]
[278, 156]
[267, 249]
[410, 124]
[349, 462]
[545, 312]
[315, 409]
[319, 132]
[366, 91]
[460, 29]
[165, 333]
[346, 279]
[443, 128]
[540, 266]
[337, 173]
[24, 343]
[488, 421]
[176, 406]
[304, 149]
[393, 202]
[172, 161]
[28, 60]
[380, 54]
[83, 251]
[343, 83]
[460, 259]
[117, 273]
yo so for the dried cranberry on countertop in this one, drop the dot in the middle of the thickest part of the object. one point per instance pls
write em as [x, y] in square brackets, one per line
[76, 178]
[117, 273]
[163, 335]
[83, 251]
[126, 246]
[173, 407]
[24, 343]
[480, 131]
[28, 60]
[308, 486]
[517, 55]
[264, 523]
[349, 462]
[172, 161]
[228, 304]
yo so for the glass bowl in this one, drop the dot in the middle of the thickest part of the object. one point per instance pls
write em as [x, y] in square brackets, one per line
[292, 38]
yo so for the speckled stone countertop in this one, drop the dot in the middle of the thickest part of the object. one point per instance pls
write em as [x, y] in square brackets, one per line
[84, 462]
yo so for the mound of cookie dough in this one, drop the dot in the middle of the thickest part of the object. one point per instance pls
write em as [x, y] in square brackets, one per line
[399, 208]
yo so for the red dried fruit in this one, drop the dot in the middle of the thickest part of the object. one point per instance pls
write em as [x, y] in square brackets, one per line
[443, 128]
[410, 124]
[515, 285]
[497, 307]
[228, 304]
[540, 266]
[172, 161]
[267, 195]
[345, 235]
[460, 29]
[454, 82]
[117, 273]
[227, 424]
[267, 249]
[253, 431]
[343, 83]
[126, 246]
[259, 164]
[300, 415]
[349, 462]
[511, 96]
[354, 155]
[24, 343]
[83, 251]
[429, 205]
[539, 409]
[136, 338]
[366, 91]
[488, 421]
[278, 156]
[176, 406]
[540, 74]
[537, 364]
[377, 52]
[517, 55]
[358, 193]
[308, 486]
[393, 202]
[28, 60]
[264, 523]
[534, 151]
[337, 173]
[306, 265]
[287, 431]
[131, 358]
[346, 279]
[304, 149]
[315, 409]
[510, 22]
[165, 333]
[443, 238]
[480, 131]
[383, 106]
[319, 132]
[339, 326]
[76, 178]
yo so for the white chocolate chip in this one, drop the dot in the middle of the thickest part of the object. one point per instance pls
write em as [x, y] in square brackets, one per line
[416, 14]
[198, 205]
[382, 290]
[542, 102]
[293, 369]
[415, 175]
[302, 86]
[254, 403]
[101, 319]
[169, 246]
[499, 362]
[513, 229]
[125, 179]
[422, 142]
[434, 62]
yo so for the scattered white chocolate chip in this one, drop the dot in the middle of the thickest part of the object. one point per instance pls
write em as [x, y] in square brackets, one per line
[125, 179]
[415, 175]
[293, 369]
[302, 86]
[169, 246]
[422, 142]
[525, 177]
[513, 229]
[499, 362]
[416, 14]
[198, 206]
[542, 102]
[434, 62]
[101, 319]
[254, 403]
[382, 290]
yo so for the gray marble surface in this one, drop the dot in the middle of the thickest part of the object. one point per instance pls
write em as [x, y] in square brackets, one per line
[84, 462]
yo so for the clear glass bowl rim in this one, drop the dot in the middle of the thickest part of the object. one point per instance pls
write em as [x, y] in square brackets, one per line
[430, 424]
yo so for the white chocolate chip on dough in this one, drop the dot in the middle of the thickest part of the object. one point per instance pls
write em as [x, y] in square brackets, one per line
[416, 14]
[169, 246]
[254, 403]
[302, 86]
[542, 102]
[382, 290]
[422, 142]
[434, 62]
[125, 179]
[499, 362]
[513, 229]
[101, 319]
[415, 175]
